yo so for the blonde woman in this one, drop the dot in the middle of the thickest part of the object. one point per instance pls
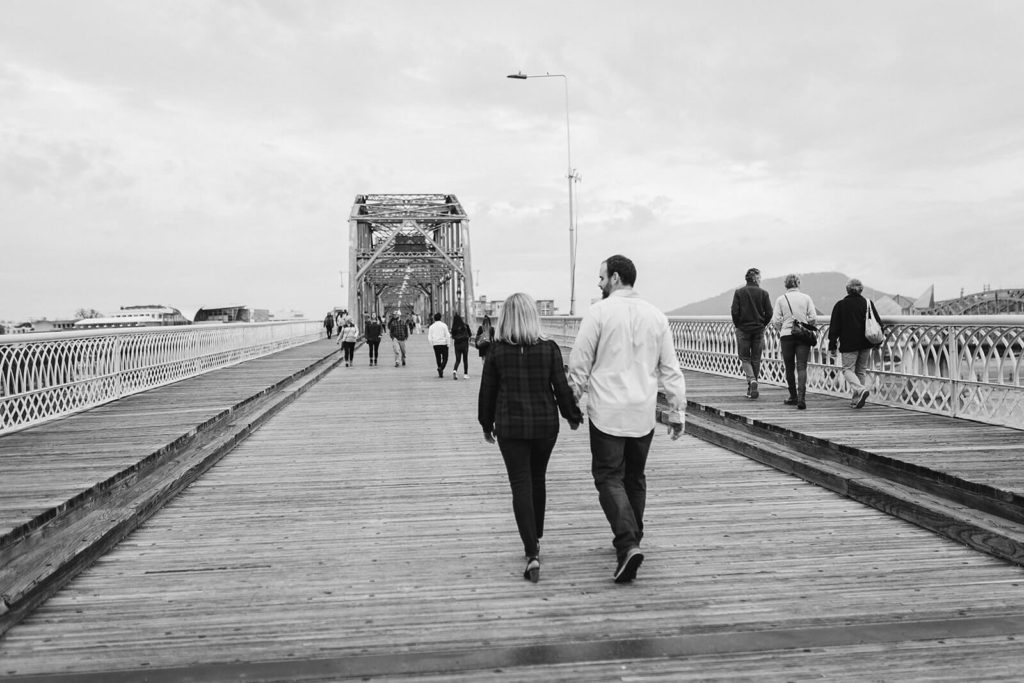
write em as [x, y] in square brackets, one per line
[522, 391]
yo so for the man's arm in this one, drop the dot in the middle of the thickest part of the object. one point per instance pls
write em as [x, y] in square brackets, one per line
[672, 382]
[581, 358]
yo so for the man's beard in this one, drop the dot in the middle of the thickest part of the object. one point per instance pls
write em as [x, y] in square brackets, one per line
[605, 291]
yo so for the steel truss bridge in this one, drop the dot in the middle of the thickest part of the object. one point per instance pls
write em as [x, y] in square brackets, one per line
[409, 252]
[989, 302]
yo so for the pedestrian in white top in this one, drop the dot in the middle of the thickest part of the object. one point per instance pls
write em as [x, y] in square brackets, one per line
[623, 352]
[439, 336]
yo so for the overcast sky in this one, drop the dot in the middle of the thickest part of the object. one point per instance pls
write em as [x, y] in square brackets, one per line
[185, 152]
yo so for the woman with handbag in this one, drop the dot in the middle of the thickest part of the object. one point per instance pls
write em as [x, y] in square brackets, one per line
[794, 316]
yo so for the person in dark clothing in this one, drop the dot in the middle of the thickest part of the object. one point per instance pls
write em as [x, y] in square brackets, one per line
[484, 336]
[751, 312]
[522, 391]
[329, 324]
[846, 331]
[372, 330]
[460, 342]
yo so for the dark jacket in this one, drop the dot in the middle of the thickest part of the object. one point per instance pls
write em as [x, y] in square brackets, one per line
[751, 308]
[461, 334]
[522, 391]
[847, 324]
[372, 331]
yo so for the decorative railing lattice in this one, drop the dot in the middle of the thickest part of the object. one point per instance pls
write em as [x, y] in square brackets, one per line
[46, 376]
[970, 367]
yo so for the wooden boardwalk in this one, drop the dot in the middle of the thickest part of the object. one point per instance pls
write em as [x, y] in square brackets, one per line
[366, 532]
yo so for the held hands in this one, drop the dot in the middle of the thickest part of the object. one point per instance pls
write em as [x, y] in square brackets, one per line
[489, 437]
[675, 430]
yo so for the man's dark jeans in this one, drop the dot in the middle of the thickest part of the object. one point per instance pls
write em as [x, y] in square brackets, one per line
[618, 464]
[748, 347]
[526, 461]
[441, 356]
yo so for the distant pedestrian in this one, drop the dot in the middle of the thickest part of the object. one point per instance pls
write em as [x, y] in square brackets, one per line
[751, 312]
[399, 332]
[484, 336]
[622, 354]
[522, 391]
[372, 330]
[348, 335]
[438, 335]
[846, 331]
[329, 324]
[791, 306]
[460, 344]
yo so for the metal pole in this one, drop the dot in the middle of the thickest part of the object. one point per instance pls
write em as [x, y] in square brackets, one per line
[571, 176]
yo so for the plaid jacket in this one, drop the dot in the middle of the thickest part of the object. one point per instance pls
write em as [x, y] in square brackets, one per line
[522, 391]
[398, 329]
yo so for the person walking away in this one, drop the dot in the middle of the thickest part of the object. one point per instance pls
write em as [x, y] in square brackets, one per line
[523, 388]
[484, 336]
[329, 324]
[791, 306]
[399, 332]
[372, 331]
[751, 313]
[348, 335]
[622, 352]
[438, 336]
[846, 331]
[460, 343]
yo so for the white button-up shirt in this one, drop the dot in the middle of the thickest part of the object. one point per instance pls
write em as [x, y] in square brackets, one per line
[622, 354]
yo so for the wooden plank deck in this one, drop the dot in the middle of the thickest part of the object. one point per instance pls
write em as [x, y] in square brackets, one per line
[366, 532]
[47, 466]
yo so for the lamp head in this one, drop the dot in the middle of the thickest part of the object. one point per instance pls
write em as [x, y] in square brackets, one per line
[519, 76]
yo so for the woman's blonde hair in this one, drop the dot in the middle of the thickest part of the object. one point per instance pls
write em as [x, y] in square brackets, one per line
[519, 322]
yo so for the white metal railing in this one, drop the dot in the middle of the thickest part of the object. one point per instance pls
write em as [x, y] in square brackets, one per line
[50, 375]
[963, 366]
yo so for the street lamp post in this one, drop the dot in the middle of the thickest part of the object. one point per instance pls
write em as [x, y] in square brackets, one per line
[571, 176]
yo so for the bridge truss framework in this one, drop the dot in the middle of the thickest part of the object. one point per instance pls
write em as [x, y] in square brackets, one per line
[409, 252]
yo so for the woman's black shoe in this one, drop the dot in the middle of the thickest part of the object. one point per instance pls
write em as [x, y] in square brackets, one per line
[791, 401]
[532, 572]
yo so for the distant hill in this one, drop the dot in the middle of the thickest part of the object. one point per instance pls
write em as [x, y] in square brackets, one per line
[825, 289]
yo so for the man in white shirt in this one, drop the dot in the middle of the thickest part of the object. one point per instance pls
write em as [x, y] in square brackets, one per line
[623, 351]
[438, 336]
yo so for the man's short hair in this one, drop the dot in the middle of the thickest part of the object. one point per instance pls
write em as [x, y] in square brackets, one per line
[623, 266]
[854, 286]
[437, 316]
[752, 275]
[792, 280]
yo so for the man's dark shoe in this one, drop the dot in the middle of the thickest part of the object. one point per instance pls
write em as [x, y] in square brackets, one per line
[791, 401]
[862, 399]
[626, 571]
[752, 390]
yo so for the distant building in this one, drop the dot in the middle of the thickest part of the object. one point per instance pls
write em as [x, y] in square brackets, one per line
[10, 327]
[53, 325]
[135, 316]
[233, 313]
[482, 307]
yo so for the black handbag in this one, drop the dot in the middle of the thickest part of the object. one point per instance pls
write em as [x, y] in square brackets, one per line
[805, 333]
